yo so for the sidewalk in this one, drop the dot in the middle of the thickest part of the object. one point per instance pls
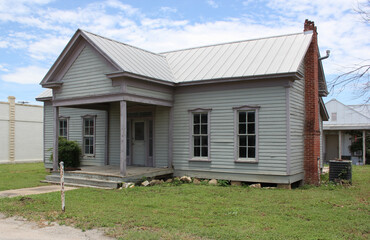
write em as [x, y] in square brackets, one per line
[34, 190]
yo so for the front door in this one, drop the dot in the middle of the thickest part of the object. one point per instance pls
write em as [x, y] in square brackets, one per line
[332, 147]
[138, 143]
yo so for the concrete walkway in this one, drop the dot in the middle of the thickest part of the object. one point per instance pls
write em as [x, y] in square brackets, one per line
[31, 191]
[15, 228]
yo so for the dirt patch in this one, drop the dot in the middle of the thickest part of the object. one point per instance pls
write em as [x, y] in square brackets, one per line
[18, 228]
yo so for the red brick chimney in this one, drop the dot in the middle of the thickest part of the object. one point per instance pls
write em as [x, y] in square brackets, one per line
[311, 127]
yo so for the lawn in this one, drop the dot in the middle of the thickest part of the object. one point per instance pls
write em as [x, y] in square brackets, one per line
[21, 175]
[210, 212]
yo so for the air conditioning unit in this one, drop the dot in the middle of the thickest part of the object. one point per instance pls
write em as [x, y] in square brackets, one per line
[340, 170]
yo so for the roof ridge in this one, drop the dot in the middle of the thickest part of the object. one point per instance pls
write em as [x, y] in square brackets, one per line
[232, 42]
[109, 39]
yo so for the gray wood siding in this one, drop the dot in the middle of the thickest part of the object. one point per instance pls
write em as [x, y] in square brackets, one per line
[161, 122]
[149, 93]
[114, 134]
[48, 133]
[272, 130]
[86, 76]
[75, 132]
[297, 126]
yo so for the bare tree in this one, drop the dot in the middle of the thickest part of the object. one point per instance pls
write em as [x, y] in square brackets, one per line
[356, 75]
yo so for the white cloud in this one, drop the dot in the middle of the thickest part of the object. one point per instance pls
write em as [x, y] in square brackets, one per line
[3, 68]
[47, 48]
[25, 75]
[168, 10]
[212, 3]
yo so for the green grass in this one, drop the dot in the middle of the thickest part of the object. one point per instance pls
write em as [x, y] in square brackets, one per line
[210, 212]
[21, 175]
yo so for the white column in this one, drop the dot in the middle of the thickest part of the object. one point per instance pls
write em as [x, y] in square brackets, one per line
[170, 138]
[364, 146]
[123, 131]
[56, 135]
[11, 138]
[340, 144]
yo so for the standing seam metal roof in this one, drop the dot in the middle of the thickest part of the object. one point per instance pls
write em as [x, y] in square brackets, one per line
[265, 56]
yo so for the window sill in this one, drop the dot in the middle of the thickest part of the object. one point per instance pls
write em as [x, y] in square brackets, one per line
[246, 161]
[198, 159]
[88, 156]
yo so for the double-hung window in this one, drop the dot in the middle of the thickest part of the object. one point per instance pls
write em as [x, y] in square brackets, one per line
[200, 142]
[89, 135]
[246, 135]
[63, 127]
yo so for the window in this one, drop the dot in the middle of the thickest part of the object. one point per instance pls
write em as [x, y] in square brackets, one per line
[89, 135]
[246, 135]
[199, 143]
[334, 116]
[63, 127]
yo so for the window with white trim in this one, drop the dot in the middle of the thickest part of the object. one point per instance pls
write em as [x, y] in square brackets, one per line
[246, 136]
[89, 135]
[63, 127]
[200, 146]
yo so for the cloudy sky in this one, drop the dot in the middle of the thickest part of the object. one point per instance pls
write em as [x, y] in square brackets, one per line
[34, 32]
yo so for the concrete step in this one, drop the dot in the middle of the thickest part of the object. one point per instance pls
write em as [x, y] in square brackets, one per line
[72, 184]
[95, 176]
[85, 181]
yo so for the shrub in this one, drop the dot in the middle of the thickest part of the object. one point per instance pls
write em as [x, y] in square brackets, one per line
[69, 152]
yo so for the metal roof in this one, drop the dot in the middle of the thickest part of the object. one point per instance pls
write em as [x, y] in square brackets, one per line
[132, 59]
[265, 56]
[48, 93]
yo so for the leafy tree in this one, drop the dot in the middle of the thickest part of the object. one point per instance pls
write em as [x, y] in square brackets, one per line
[357, 140]
[69, 152]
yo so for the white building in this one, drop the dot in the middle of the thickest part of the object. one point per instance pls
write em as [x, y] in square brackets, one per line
[21, 132]
[343, 120]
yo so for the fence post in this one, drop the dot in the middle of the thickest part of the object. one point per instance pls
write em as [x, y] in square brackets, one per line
[62, 185]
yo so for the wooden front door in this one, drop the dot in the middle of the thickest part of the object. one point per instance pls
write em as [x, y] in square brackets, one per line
[332, 147]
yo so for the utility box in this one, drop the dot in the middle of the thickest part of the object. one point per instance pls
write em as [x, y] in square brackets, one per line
[340, 170]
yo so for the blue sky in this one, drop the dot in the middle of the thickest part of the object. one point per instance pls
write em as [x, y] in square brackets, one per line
[34, 32]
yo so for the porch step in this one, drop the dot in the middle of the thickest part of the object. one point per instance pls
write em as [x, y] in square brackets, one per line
[85, 181]
[72, 184]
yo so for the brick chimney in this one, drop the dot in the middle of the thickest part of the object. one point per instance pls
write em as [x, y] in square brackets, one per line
[311, 127]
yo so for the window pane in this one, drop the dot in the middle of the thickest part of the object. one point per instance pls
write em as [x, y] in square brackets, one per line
[251, 128]
[204, 118]
[251, 152]
[196, 151]
[204, 151]
[196, 118]
[204, 129]
[196, 140]
[91, 130]
[242, 140]
[242, 152]
[150, 147]
[251, 141]
[139, 130]
[196, 129]
[242, 116]
[91, 150]
[150, 129]
[251, 116]
[86, 149]
[204, 141]
[242, 128]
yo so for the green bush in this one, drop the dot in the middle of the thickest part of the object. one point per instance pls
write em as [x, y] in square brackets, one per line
[69, 152]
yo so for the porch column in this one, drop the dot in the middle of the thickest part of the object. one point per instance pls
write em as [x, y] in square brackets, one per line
[170, 138]
[364, 146]
[56, 135]
[340, 144]
[123, 130]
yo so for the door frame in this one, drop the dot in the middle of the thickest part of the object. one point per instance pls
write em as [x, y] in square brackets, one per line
[149, 160]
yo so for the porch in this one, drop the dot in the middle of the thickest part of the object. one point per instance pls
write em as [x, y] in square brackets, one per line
[107, 177]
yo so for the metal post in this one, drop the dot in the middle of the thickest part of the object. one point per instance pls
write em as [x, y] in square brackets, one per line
[62, 185]
[364, 147]
[340, 144]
